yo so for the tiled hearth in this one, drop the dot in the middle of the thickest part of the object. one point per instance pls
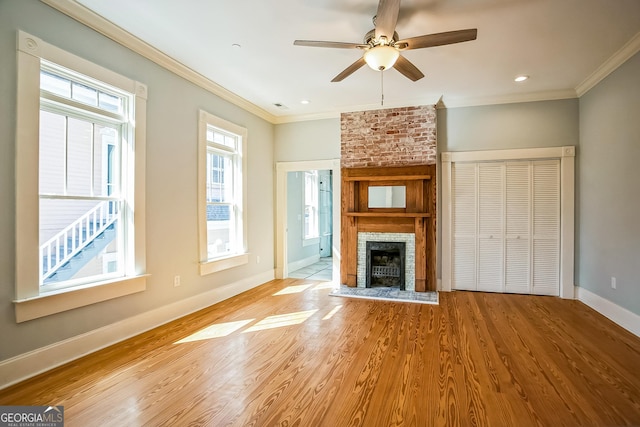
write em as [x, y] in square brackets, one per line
[410, 256]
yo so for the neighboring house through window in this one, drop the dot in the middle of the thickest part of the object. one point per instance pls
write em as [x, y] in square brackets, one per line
[76, 180]
[221, 194]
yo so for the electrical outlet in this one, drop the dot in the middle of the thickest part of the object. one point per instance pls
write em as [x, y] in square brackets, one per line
[613, 283]
[176, 281]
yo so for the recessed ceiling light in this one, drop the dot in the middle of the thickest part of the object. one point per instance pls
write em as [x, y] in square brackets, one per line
[305, 101]
[521, 78]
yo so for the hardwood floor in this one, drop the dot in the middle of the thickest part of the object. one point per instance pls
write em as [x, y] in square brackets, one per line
[289, 354]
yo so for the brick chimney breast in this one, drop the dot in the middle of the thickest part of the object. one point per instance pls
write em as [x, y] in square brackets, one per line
[390, 137]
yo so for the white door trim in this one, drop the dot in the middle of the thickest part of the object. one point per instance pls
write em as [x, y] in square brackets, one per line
[567, 204]
[282, 168]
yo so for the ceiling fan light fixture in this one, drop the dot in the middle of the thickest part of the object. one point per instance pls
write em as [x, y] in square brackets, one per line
[381, 57]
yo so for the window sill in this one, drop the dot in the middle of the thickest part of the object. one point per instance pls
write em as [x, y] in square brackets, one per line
[219, 264]
[68, 299]
[310, 242]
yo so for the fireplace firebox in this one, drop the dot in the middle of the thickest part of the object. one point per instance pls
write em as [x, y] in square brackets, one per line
[385, 264]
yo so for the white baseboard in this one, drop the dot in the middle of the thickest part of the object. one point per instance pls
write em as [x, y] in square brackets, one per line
[623, 317]
[29, 364]
[302, 263]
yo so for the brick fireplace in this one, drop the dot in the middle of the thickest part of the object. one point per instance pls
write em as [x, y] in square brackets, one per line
[383, 150]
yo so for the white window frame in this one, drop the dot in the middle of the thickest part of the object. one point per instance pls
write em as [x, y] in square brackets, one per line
[241, 255]
[31, 301]
[314, 238]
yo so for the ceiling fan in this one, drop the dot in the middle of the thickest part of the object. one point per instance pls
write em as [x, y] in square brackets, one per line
[382, 46]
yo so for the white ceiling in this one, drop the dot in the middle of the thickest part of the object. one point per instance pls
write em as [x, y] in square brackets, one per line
[559, 43]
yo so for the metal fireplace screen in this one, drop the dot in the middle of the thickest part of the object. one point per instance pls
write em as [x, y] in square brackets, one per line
[385, 264]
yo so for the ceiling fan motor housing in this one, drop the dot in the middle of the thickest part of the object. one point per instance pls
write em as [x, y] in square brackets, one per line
[370, 38]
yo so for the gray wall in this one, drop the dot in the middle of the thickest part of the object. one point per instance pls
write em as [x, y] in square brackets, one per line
[506, 126]
[310, 140]
[172, 245]
[608, 196]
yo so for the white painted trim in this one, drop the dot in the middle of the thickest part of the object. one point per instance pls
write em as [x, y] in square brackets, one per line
[621, 316]
[282, 168]
[241, 257]
[310, 242]
[610, 65]
[514, 154]
[302, 263]
[514, 98]
[30, 303]
[444, 102]
[567, 204]
[567, 217]
[94, 21]
[68, 299]
[43, 359]
[445, 217]
[215, 265]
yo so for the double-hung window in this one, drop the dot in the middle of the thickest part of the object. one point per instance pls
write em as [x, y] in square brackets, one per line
[84, 129]
[80, 168]
[221, 194]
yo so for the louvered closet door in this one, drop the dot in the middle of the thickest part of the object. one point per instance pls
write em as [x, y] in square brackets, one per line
[490, 227]
[518, 227]
[506, 226]
[546, 228]
[464, 213]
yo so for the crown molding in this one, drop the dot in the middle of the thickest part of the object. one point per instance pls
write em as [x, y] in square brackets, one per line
[550, 95]
[353, 108]
[306, 117]
[105, 27]
[94, 21]
[610, 65]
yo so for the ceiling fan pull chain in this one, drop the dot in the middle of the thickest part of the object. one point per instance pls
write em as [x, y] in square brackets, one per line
[381, 88]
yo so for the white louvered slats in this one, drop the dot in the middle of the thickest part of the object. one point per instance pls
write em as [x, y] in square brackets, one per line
[490, 227]
[546, 227]
[464, 226]
[518, 227]
[506, 226]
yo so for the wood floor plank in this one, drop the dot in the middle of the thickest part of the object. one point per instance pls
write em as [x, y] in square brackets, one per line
[288, 354]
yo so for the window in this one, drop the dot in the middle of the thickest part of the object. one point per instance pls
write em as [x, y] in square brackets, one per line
[83, 135]
[311, 230]
[79, 172]
[221, 194]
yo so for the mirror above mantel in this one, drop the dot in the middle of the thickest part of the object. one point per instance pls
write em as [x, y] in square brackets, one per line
[387, 196]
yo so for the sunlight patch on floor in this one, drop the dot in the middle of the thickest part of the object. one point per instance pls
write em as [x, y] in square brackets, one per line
[293, 289]
[215, 331]
[279, 320]
[332, 312]
[324, 285]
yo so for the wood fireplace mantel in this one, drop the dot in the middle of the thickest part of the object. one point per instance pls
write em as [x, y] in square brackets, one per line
[418, 217]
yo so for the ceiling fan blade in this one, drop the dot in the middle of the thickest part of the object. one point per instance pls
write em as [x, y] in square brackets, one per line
[349, 70]
[339, 45]
[387, 18]
[438, 39]
[407, 69]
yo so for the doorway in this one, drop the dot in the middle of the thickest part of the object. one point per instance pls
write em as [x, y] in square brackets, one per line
[308, 218]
